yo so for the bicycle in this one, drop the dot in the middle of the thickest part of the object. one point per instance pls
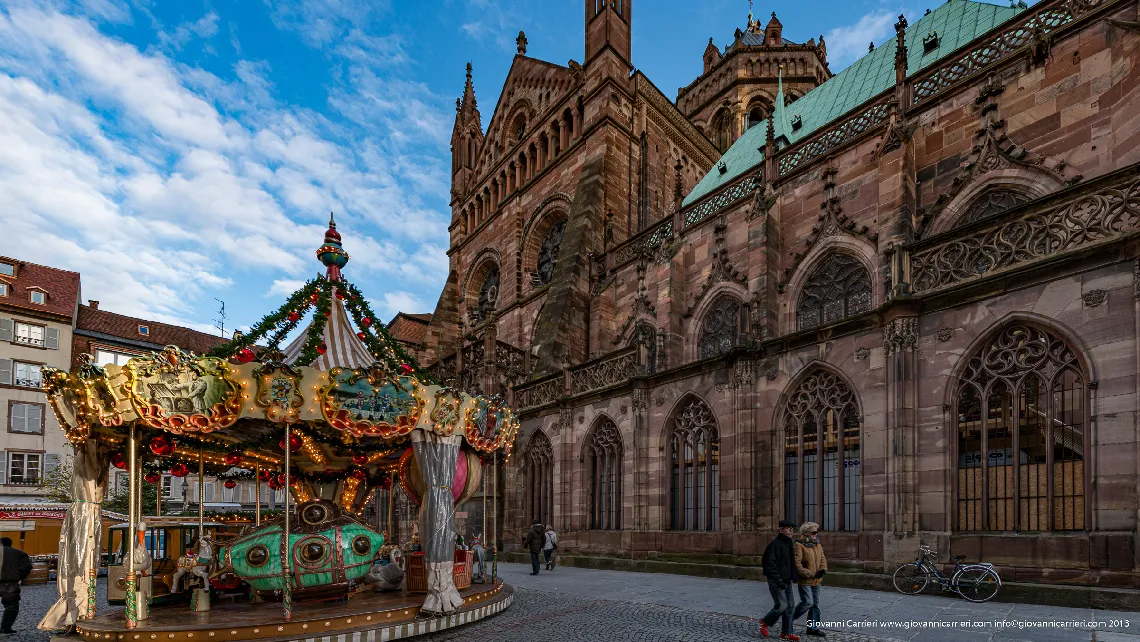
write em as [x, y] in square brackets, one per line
[977, 582]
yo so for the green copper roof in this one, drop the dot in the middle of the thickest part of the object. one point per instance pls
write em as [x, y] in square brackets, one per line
[957, 23]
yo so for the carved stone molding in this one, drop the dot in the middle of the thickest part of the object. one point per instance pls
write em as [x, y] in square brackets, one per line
[900, 334]
[660, 401]
[861, 353]
[722, 269]
[640, 399]
[1094, 298]
[743, 373]
[1136, 278]
[615, 368]
[1105, 214]
[945, 333]
[771, 371]
[624, 409]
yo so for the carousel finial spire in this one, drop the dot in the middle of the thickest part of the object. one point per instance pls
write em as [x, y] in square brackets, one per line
[331, 254]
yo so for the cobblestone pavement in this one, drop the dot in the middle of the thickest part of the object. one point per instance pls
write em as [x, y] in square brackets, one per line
[580, 604]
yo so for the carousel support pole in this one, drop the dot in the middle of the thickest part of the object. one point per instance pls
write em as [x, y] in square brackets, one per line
[391, 504]
[495, 517]
[257, 492]
[286, 591]
[200, 599]
[483, 533]
[158, 497]
[132, 519]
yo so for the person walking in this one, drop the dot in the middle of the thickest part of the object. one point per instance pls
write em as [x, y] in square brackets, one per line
[550, 546]
[811, 565]
[14, 567]
[779, 568]
[535, 539]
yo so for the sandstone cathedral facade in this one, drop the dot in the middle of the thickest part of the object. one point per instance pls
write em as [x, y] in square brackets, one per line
[902, 301]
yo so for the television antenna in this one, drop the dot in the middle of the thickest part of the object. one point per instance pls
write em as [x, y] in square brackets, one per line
[220, 322]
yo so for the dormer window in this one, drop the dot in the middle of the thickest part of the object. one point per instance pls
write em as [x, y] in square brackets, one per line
[3, 289]
[797, 122]
[930, 43]
[722, 166]
[38, 297]
[7, 269]
[144, 330]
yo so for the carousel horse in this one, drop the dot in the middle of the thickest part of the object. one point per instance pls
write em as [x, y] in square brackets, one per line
[195, 563]
[480, 561]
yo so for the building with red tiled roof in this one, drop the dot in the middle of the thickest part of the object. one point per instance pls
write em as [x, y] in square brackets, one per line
[37, 312]
[410, 330]
[115, 338]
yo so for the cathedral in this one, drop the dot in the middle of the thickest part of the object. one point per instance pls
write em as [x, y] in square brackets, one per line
[902, 300]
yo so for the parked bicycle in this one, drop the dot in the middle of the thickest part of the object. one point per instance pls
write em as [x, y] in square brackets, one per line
[977, 582]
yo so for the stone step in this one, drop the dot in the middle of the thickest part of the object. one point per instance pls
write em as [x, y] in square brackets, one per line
[1094, 597]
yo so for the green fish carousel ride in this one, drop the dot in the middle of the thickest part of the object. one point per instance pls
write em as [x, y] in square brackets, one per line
[334, 416]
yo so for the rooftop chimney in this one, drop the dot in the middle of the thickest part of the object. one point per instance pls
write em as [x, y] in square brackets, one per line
[93, 304]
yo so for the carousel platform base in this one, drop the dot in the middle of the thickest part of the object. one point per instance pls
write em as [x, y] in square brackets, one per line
[365, 617]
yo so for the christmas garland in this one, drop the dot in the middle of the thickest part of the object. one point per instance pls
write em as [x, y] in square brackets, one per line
[318, 294]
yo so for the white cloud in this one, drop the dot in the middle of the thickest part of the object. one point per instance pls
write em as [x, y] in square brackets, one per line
[847, 43]
[394, 302]
[165, 185]
[205, 28]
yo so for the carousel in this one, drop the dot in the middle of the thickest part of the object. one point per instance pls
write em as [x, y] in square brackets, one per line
[330, 418]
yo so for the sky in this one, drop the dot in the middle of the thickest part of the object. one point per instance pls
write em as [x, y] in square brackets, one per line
[178, 154]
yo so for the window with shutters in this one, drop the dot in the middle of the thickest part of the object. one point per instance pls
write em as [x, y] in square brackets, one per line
[26, 418]
[167, 486]
[27, 374]
[24, 468]
[32, 335]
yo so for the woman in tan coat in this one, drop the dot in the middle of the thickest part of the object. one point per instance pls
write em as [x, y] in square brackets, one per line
[811, 566]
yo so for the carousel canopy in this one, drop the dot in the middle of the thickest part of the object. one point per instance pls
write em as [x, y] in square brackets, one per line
[350, 393]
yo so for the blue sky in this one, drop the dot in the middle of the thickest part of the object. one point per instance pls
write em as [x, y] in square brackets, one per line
[178, 152]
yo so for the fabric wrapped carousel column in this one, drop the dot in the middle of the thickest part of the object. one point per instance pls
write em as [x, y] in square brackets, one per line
[79, 543]
[436, 457]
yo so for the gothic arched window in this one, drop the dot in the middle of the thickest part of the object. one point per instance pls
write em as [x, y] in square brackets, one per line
[540, 475]
[1022, 404]
[694, 455]
[646, 335]
[722, 130]
[548, 254]
[838, 288]
[721, 328]
[489, 292]
[605, 458]
[822, 419]
[991, 202]
[755, 116]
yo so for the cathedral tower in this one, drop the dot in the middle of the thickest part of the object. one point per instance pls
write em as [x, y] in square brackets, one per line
[608, 26]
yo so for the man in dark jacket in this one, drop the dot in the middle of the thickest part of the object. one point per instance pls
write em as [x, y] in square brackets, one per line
[780, 569]
[14, 567]
[535, 538]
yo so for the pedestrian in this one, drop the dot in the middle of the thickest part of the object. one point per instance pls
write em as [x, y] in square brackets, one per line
[14, 567]
[535, 538]
[811, 565]
[549, 546]
[779, 568]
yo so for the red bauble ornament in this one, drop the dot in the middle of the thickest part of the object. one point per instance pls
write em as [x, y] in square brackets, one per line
[295, 442]
[360, 474]
[119, 461]
[273, 485]
[152, 478]
[340, 295]
[230, 483]
[294, 317]
[327, 313]
[405, 369]
[179, 470]
[321, 349]
[264, 475]
[245, 355]
[314, 297]
[360, 460]
[365, 321]
[281, 479]
[233, 459]
[161, 446]
[362, 336]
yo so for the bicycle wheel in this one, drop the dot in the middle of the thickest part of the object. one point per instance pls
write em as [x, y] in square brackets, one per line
[977, 583]
[910, 579]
